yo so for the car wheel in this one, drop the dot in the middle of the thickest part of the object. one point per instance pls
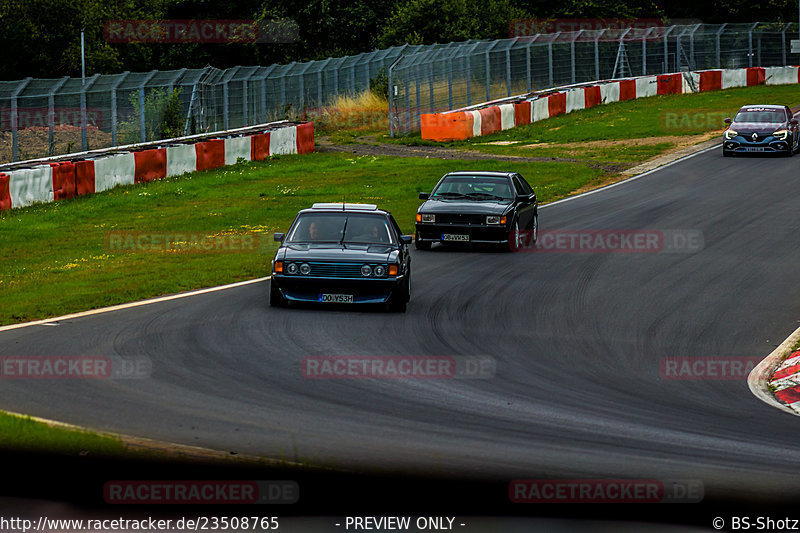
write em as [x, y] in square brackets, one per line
[514, 237]
[726, 154]
[398, 301]
[421, 245]
[275, 297]
[534, 229]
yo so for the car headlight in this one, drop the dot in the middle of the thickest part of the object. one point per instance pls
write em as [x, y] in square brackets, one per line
[427, 218]
[305, 269]
[730, 134]
[781, 135]
[291, 268]
[366, 270]
[379, 270]
[495, 219]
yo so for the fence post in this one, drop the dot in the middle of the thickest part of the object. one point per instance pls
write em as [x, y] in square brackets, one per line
[51, 115]
[319, 81]
[142, 123]
[666, 48]
[390, 81]
[84, 88]
[719, 55]
[644, 51]
[508, 68]
[750, 43]
[15, 119]
[114, 88]
[597, 54]
[692, 63]
[528, 63]
[572, 53]
[430, 88]
[783, 44]
[550, 58]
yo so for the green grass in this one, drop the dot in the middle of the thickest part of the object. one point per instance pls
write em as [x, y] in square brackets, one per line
[669, 115]
[54, 258]
[22, 433]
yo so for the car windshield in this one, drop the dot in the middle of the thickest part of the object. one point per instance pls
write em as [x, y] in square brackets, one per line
[340, 228]
[477, 188]
[763, 116]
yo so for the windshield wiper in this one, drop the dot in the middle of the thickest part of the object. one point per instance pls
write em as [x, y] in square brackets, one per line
[450, 194]
[473, 195]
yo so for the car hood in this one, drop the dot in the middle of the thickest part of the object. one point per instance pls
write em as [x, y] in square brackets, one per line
[336, 252]
[757, 127]
[464, 206]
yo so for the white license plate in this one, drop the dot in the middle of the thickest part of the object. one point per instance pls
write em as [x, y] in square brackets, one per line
[452, 237]
[754, 149]
[336, 298]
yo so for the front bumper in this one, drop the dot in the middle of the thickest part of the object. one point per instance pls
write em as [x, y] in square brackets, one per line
[479, 234]
[743, 145]
[300, 288]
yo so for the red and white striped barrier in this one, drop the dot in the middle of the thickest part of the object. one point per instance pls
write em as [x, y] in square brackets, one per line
[65, 179]
[463, 124]
[785, 382]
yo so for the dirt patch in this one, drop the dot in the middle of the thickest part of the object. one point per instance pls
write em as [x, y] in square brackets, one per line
[438, 152]
[679, 141]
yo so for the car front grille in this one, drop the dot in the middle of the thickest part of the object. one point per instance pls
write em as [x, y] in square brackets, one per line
[459, 218]
[335, 270]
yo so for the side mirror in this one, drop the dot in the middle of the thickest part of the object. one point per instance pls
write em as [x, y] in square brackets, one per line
[793, 121]
[727, 121]
[278, 237]
[424, 195]
[523, 198]
[405, 239]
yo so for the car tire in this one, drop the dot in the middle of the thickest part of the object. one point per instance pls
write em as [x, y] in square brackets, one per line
[514, 237]
[726, 154]
[276, 299]
[398, 301]
[534, 229]
[421, 245]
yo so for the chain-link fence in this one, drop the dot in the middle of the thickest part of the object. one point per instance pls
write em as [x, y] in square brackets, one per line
[457, 75]
[45, 117]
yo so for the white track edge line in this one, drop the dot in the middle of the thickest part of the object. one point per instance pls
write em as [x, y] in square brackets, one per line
[133, 304]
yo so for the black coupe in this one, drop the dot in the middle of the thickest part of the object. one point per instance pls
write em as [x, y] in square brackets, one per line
[478, 207]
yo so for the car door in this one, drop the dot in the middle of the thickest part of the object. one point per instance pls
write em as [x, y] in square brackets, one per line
[525, 208]
[793, 129]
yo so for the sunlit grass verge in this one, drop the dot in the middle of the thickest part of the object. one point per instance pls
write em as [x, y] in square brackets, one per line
[21, 433]
[348, 116]
[58, 258]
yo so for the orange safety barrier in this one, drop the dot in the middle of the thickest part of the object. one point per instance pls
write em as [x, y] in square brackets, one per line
[522, 113]
[755, 76]
[670, 84]
[491, 120]
[592, 96]
[5, 194]
[710, 80]
[557, 104]
[64, 180]
[305, 138]
[627, 90]
[259, 146]
[150, 165]
[84, 177]
[446, 126]
[210, 154]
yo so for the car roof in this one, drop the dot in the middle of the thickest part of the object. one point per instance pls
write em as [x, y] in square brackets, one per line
[481, 173]
[344, 208]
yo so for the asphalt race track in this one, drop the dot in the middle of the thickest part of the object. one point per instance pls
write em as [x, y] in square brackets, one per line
[577, 339]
